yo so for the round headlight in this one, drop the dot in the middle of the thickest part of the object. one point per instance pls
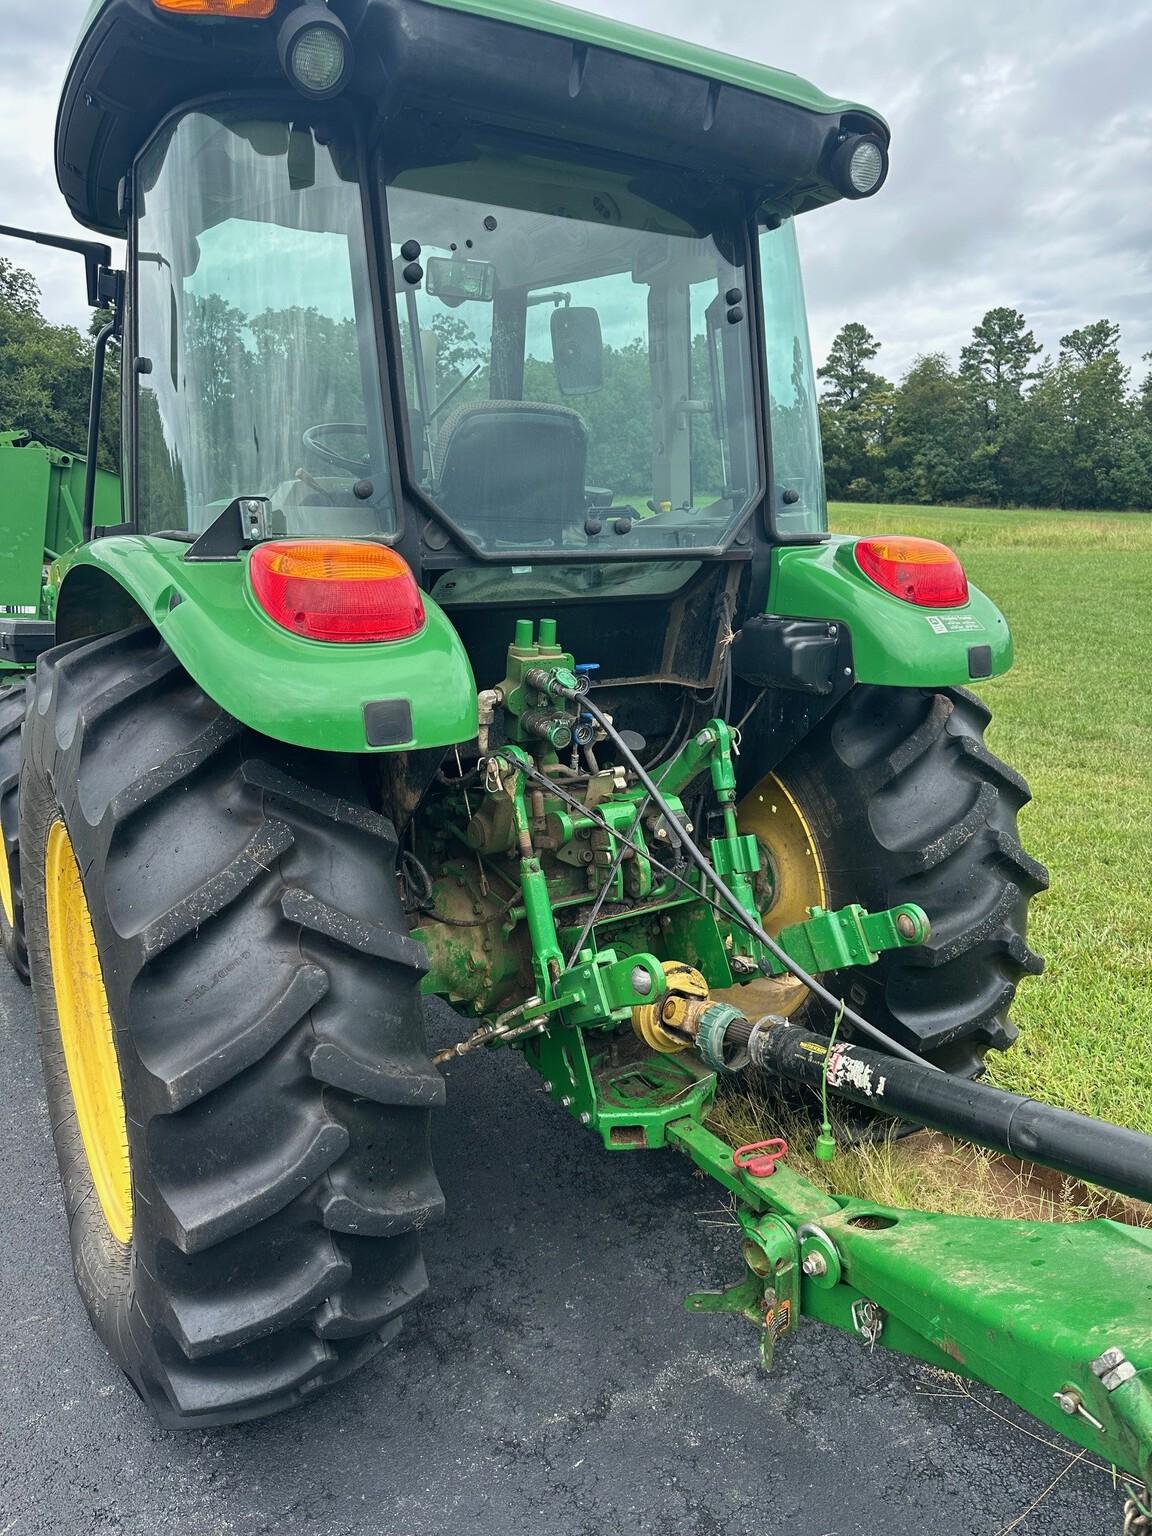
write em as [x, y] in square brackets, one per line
[319, 58]
[315, 51]
[860, 165]
[866, 166]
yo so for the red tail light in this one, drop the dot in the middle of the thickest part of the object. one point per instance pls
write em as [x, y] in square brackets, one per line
[919, 571]
[337, 589]
[251, 8]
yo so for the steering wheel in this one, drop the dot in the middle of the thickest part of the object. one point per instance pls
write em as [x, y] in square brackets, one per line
[313, 440]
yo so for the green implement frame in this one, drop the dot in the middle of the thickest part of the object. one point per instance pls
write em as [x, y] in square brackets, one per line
[41, 510]
[1056, 1317]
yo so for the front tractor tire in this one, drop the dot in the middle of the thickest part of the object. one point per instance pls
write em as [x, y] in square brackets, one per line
[895, 798]
[13, 701]
[232, 1037]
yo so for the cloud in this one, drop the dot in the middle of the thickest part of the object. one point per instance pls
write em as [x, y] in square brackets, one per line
[38, 42]
[1022, 137]
[1021, 141]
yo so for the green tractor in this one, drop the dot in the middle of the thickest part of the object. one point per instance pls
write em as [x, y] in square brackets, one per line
[472, 629]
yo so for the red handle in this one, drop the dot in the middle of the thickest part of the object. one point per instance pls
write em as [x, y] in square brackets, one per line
[759, 1158]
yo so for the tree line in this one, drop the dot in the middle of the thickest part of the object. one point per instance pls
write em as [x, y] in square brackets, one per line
[1007, 427]
[46, 372]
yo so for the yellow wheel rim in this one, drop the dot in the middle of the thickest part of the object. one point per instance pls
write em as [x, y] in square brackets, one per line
[86, 1034]
[7, 900]
[772, 814]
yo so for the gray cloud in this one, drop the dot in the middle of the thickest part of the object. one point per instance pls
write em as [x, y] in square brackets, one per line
[1022, 148]
[1021, 160]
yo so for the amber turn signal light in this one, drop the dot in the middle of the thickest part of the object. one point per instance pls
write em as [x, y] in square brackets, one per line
[919, 571]
[254, 10]
[343, 590]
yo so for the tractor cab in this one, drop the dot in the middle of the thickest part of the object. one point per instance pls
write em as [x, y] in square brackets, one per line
[530, 324]
[576, 351]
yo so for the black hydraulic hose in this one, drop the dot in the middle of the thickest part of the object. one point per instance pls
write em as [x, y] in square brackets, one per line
[737, 910]
[1077, 1145]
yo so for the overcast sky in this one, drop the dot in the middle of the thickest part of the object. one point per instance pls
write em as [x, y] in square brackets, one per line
[1021, 156]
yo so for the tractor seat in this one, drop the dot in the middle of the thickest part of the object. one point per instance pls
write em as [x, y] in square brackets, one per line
[512, 471]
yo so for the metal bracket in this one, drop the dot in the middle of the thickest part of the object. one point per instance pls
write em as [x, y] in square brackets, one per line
[242, 523]
[769, 1294]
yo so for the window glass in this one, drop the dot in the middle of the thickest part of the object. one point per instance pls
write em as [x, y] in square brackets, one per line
[577, 372]
[797, 461]
[257, 372]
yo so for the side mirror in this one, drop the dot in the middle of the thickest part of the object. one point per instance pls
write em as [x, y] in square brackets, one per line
[577, 350]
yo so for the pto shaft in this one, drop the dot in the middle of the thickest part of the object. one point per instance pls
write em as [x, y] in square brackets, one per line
[1092, 1150]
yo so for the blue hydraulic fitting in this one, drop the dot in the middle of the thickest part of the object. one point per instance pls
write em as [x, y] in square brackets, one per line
[583, 670]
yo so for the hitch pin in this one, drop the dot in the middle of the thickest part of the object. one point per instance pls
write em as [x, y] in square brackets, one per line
[868, 1321]
[1072, 1403]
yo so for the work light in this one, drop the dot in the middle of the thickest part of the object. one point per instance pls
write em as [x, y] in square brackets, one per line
[860, 164]
[314, 50]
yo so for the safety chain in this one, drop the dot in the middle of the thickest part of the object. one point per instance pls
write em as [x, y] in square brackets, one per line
[1137, 1522]
[501, 1032]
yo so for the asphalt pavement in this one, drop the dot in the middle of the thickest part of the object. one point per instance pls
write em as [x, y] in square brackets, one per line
[550, 1385]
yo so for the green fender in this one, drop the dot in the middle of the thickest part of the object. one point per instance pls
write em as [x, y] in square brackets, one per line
[893, 642]
[306, 692]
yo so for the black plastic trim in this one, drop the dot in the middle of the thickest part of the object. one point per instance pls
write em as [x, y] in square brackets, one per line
[775, 652]
[388, 723]
[979, 661]
[23, 640]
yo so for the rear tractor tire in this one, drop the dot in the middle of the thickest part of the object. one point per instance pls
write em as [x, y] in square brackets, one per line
[232, 1037]
[13, 702]
[895, 798]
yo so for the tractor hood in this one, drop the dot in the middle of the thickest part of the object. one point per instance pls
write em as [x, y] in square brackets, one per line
[528, 65]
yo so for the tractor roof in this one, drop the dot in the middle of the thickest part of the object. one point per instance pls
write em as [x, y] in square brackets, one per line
[601, 32]
[531, 64]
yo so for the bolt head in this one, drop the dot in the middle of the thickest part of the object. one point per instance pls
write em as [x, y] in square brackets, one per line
[1069, 1401]
[905, 926]
[815, 1264]
[641, 981]
[585, 1117]
[566, 1102]
[1108, 1361]
[547, 1086]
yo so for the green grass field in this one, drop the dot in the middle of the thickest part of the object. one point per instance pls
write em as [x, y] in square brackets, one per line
[1074, 715]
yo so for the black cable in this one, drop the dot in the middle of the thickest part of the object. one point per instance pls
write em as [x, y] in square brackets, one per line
[737, 909]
